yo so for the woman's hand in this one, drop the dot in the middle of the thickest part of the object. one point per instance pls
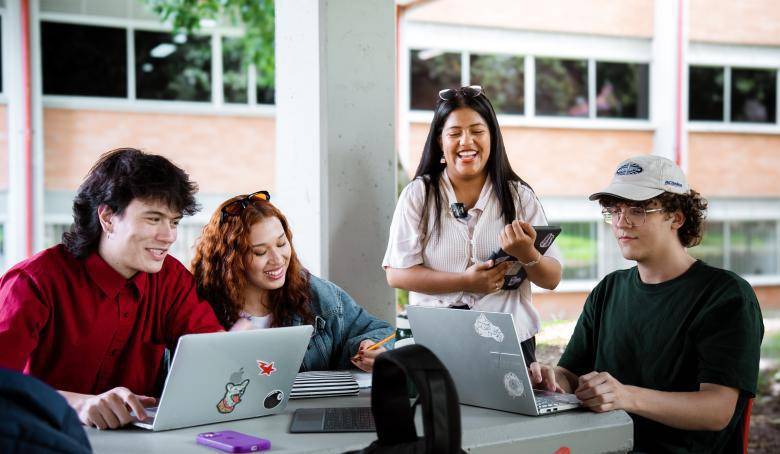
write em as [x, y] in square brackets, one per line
[364, 359]
[484, 277]
[517, 239]
[242, 324]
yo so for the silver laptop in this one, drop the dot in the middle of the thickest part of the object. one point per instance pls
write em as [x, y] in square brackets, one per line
[220, 377]
[482, 352]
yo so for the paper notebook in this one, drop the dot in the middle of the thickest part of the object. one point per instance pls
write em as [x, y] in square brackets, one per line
[324, 384]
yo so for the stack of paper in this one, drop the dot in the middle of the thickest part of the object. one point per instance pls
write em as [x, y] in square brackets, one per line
[324, 384]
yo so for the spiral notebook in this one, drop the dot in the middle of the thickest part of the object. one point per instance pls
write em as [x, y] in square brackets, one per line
[324, 384]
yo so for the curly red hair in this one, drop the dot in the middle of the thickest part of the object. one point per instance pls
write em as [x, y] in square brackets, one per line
[222, 259]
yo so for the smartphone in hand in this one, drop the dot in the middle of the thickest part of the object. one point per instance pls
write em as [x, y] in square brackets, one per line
[231, 441]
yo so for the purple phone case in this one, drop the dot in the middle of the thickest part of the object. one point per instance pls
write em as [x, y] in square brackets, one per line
[232, 441]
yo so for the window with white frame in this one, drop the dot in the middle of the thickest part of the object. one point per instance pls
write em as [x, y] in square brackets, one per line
[162, 66]
[746, 247]
[561, 87]
[52, 233]
[431, 71]
[732, 94]
[622, 90]
[578, 243]
[172, 67]
[705, 93]
[234, 74]
[73, 54]
[502, 77]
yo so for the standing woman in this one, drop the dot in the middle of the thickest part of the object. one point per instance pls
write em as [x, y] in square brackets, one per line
[440, 252]
[246, 267]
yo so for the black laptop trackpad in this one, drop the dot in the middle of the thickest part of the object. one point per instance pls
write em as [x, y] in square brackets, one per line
[348, 419]
[307, 420]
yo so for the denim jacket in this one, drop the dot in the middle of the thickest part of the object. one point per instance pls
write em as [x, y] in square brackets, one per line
[340, 324]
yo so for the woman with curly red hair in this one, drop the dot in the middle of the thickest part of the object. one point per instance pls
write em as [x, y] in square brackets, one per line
[247, 268]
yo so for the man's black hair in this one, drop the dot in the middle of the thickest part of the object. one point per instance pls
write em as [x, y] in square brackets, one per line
[119, 177]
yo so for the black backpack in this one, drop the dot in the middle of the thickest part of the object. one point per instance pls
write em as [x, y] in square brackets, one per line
[35, 418]
[394, 415]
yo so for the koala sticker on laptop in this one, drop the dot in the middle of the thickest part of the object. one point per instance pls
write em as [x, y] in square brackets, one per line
[485, 328]
[234, 389]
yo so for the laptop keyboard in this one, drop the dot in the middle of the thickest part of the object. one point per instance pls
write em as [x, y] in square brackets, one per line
[546, 402]
[349, 419]
[151, 412]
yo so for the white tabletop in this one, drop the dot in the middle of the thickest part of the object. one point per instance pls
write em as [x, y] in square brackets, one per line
[485, 431]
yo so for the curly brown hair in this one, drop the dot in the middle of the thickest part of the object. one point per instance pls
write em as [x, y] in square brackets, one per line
[692, 205]
[222, 257]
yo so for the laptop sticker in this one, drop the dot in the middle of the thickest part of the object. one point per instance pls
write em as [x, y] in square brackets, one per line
[266, 368]
[232, 397]
[513, 385]
[484, 328]
[273, 399]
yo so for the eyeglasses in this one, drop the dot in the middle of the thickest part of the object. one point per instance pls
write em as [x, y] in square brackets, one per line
[633, 216]
[237, 206]
[472, 91]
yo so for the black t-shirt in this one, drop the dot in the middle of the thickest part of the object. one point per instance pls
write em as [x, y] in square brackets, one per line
[704, 326]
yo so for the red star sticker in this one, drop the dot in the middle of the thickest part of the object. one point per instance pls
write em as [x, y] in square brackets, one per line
[266, 368]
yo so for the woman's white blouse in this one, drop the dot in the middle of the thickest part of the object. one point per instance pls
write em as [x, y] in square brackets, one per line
[460, 244]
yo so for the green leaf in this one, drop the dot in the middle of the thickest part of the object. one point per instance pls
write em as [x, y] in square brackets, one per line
[256, 17]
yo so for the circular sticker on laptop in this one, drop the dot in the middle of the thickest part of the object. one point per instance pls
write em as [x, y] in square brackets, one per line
[273, 399]
[513, 385]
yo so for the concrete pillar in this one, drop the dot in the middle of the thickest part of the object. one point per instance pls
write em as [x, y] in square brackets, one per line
[669, 80]
[335, 158]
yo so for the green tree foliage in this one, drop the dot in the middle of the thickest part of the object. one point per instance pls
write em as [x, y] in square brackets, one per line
[255, 16]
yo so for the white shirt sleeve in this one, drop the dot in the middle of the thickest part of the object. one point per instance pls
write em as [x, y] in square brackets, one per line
[404, 247]
[533, 213]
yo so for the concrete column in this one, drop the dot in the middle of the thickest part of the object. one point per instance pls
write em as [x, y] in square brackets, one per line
[335, 157]
[669, 79]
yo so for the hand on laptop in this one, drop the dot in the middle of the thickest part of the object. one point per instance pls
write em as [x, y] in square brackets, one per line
[242, 324]
[543, 377]
[364, 359]
[111, 409]
[600, 392]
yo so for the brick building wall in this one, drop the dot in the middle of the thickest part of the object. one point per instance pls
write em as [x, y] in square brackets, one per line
[224, 154]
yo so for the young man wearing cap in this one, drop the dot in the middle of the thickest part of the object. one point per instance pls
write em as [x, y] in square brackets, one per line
[672, 341]
[92, 316]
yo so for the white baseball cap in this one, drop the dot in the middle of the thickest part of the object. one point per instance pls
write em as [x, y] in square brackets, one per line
[644, 177]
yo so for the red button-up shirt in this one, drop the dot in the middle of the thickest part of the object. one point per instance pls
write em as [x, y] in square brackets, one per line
[80, 326]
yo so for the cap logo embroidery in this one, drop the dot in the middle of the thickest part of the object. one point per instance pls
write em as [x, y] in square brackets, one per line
[673, 183]
[629, 168]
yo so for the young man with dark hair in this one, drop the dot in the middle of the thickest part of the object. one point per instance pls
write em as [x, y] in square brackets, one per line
[672, 341]
[92, 316]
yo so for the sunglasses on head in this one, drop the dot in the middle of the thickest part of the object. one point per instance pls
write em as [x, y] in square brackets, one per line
[237, 206]
[472, 91]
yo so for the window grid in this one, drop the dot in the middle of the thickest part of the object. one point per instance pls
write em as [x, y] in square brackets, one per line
[727, 101]
[216, 90]
[529, 62]
[592, 88]
[465, 69]
[530, 84]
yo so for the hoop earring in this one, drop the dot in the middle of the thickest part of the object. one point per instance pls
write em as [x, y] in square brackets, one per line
[442, 160]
